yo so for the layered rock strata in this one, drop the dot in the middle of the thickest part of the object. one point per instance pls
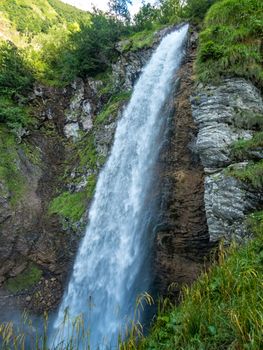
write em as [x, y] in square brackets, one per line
[222, 114]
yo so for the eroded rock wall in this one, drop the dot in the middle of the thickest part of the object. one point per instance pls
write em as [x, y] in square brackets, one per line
[182, 239]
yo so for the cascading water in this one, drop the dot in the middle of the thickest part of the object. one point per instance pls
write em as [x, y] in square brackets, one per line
[110, 268]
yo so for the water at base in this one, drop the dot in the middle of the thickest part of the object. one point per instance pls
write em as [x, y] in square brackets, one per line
[110, 268]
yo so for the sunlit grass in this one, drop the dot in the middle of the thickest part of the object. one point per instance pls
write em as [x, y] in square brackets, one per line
[230, 43]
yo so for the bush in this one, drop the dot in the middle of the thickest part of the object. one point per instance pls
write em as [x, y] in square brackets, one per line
[95, 44]
[197, 9]
[16, 78]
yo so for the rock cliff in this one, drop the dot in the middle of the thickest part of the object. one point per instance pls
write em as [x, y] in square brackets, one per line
[57, 162]
[222, 114]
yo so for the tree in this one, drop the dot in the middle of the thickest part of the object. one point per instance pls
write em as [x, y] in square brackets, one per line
[120, 8]
[145, 18]
[95, 44]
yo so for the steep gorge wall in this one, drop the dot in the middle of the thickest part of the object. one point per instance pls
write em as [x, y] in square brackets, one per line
[69, 143]
[199, 202]
[182, 238]
[202, 202]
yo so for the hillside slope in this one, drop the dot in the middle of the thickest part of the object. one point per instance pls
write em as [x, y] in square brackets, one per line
[33, 17]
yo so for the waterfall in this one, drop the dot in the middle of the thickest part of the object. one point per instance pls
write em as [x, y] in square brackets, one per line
[111, 266]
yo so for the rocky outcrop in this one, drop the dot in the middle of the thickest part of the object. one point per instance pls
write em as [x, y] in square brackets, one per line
[219, 112]
[131, 62]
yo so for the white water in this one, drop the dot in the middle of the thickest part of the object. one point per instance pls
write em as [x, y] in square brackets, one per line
[110, 268]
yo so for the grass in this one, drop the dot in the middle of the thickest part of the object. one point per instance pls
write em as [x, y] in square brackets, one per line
[25, 280]
[88, 157]
[73, 205]
[251, 174]
[242, 149]
[72, 334]
[223, 309]
[141, 40]
[38, 16]
[231, 41]
[112, 107]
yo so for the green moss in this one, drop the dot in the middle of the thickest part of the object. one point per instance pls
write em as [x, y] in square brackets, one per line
[112, 107]
[25, 280]
[241, 149]
[252, 174]
[73, 205]
[230, 43]
[87, 153]
[223, 309]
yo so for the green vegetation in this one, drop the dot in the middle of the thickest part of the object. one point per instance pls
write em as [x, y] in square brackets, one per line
[230, 44]
[141, 40]
[9, 165]
[112, 107]
[195, 10]
[252, 174]
[73, 205]
[16, 79]
[25, 280]
[249, 120]
[57, 43]
[223, 309]
[31, 17]
[243, 148]
[87, 153]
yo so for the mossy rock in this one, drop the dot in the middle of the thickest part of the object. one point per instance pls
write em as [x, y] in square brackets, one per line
[25, 280]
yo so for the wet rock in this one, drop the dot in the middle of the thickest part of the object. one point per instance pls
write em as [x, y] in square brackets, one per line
[104, 137]
[130, 63]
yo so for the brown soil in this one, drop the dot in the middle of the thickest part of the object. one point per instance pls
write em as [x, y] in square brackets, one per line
[182, 242]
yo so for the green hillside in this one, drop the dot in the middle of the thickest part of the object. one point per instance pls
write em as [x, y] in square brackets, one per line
[38, 16]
